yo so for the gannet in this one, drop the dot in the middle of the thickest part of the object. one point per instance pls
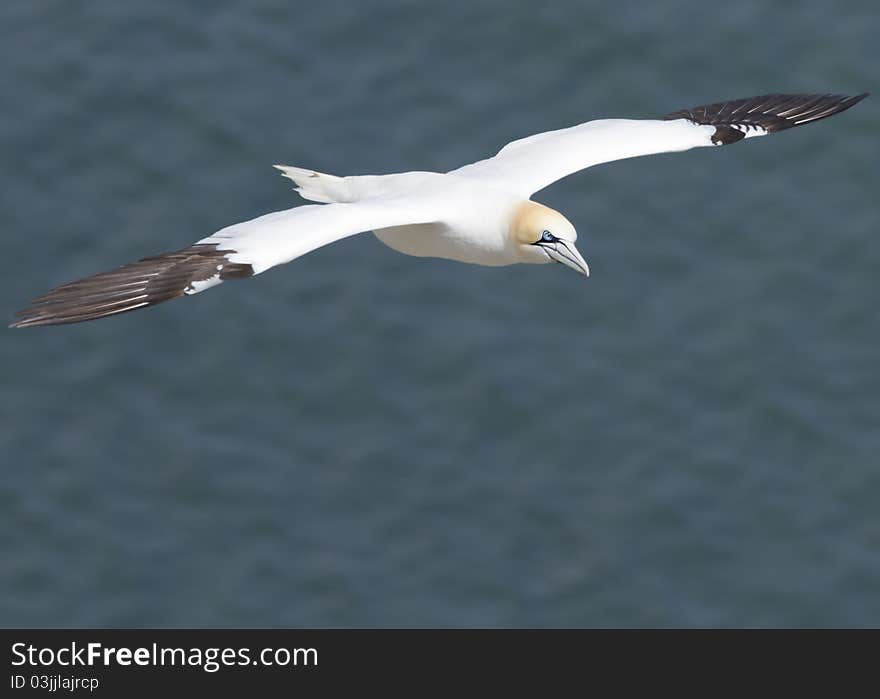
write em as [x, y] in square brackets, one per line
[482, 213]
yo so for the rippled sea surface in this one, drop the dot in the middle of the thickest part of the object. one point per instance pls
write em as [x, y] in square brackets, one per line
[691, 437]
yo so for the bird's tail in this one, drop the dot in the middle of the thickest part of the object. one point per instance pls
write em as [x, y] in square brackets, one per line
[317, 186]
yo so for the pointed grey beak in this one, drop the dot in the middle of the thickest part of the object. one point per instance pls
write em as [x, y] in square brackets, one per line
[567, 254]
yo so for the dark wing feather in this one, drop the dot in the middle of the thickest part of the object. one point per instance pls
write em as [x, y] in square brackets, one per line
[143, 283]
[736, 119]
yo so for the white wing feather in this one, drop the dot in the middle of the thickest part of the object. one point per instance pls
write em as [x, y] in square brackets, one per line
[282, 236]
[530, 164]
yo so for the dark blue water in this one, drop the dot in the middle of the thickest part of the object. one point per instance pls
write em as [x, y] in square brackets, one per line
[690, 437]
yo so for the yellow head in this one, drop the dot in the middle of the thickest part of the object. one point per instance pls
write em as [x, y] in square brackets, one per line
[545, 235]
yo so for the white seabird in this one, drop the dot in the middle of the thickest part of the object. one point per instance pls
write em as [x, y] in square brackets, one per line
[481, 213]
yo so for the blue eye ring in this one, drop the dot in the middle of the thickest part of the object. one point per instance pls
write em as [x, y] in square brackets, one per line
[547, 237]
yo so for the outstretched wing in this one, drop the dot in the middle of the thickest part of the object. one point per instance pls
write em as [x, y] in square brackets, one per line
[530, 164]
[235, 252]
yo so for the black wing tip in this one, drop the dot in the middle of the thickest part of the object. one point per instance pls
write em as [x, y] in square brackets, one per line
[33, 317]
[855, 99]
[734, 119]
[140, 284]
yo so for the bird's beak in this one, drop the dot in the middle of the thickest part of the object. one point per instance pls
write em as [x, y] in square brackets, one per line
[567, 254]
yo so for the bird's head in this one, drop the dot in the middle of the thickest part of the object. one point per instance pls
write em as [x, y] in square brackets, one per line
[543, 235]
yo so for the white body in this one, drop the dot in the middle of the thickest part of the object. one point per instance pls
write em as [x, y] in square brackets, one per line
[475, 229]
[476, 217]
[469, 214]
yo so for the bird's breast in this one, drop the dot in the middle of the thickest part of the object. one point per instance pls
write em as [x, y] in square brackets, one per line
[460, 243]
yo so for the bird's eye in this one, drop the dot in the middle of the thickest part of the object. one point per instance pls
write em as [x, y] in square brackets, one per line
[547, 237]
